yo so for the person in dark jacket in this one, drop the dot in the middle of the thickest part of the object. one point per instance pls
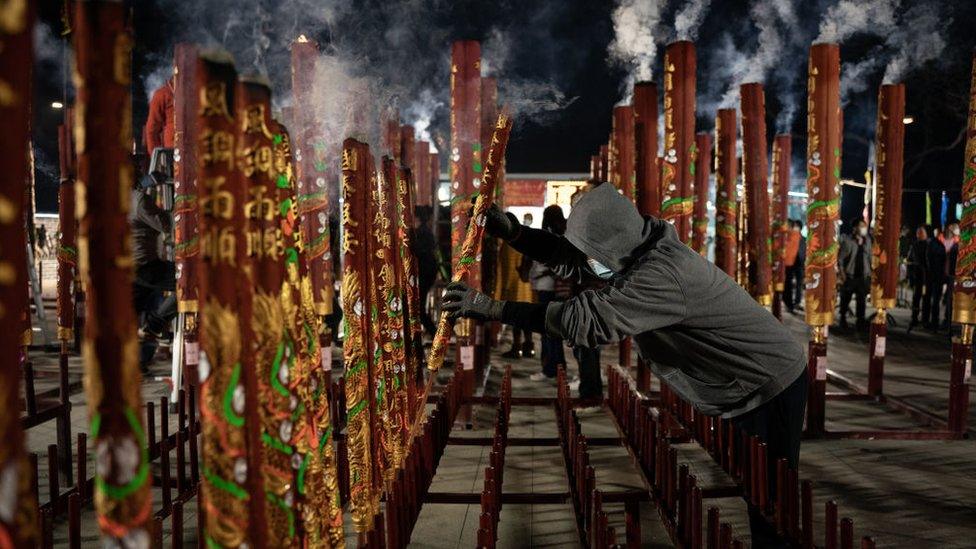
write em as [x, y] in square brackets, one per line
[916, 274]
[935, 266]
[425, 250]
[154, 275]
[700, 331]
[854, 268]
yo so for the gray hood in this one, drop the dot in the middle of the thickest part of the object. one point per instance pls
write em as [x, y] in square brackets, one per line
[607, 227]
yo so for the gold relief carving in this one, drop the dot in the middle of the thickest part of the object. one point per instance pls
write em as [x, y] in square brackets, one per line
[252, 159]
[8, 97]
[219, 203]
[122, 66]
[216, 146]
[81, 145]
[8, 210]
[13, 16]
[219, 245]
[125, 186]
[213, 100]
[265, 243]
[253, 121]
[262, 206]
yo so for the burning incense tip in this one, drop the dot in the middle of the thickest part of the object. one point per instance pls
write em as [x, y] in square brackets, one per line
[302, 39]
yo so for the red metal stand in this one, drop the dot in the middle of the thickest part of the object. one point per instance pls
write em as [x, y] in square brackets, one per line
[816, 397]
[962, 365]
[876, 342]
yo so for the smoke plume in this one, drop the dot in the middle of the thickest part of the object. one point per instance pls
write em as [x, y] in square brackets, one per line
[918, 40]
[689, 18]
[849, 17]
[636, 25]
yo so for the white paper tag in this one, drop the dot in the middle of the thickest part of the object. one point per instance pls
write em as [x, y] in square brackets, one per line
[191, 350]
[879, 347]
[467, 357]
[325, 355]
[821, 368]
[969, 370]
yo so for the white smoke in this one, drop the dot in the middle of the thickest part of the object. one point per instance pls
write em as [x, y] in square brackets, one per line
[919, 40]
[916, 39]
[636, 25]
[856, 76]
[776, 23]
[849, 17]
[689, 18]
[421, 112]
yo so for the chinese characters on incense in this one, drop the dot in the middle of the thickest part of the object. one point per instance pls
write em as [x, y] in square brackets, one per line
[823, 184]
[677, 172]
[103, 133]
[889, 153]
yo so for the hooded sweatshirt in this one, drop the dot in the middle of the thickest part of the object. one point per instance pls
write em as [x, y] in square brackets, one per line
[700, 331]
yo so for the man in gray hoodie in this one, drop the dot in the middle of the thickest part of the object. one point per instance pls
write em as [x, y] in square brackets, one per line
[702, 334]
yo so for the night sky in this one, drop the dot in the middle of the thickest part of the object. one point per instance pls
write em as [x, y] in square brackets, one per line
[554, 69]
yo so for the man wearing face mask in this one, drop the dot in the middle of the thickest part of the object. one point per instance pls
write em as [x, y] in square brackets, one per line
[701, 332]
[854, 269]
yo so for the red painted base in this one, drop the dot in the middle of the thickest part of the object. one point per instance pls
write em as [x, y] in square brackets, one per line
[816, 396]
[962, 365]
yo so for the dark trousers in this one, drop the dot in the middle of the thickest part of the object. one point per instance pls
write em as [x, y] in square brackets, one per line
[933, 301]
[426, 283]
[588, 361]
[522, 341]
[778, 423]
[857, 288]
[918, 293]
[789, 289]
[552, 347]
[152, 280]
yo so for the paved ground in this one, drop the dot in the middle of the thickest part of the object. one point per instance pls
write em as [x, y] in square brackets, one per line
[904, 493]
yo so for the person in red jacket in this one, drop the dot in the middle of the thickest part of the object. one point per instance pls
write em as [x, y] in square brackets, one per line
[160, 126]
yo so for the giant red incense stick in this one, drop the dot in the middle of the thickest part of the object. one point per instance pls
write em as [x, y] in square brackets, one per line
[964, 296]
[316, 480]
[357, 348]
[471, 247]
[68, 246]
[889, 159]
[273, 349]
[648, 185]
[186, 238]
[824, 124]
[316, 177]
[232, 488]
[726, 174]
[782, 150]
[679, 137]
[755, 174]
[105, 180]
[703, 172]
[624, 176]
[18, 524]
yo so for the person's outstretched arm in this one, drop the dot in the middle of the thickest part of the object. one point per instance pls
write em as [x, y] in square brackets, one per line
[542, 246]
[645, 300]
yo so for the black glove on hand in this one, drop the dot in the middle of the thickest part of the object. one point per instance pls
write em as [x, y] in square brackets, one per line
[460, 301]
[500, 224]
